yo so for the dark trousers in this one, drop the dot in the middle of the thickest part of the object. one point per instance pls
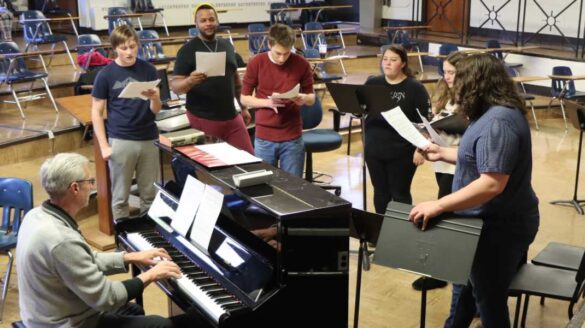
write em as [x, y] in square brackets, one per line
[391, 180]
[132, 316]
[445, 183]
[499, 254]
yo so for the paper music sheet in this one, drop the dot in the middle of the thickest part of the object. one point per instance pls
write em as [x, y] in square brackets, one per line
[135, 89]
[188, 205]
[292, 93]
[210, 63]
[432, 133]
[229, 154]
[396, 118]
[206, 217]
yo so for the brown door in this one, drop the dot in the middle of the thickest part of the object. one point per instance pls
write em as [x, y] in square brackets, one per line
[446, 15]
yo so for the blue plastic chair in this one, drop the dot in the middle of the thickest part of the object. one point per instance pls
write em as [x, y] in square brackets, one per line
[88, 44]
[152, 51]
[257, 39]
[317, 140]
[495, 44]
[320, 76]
[313, 40]
[146, 7]
[52, 8]
[116, 17]
[16, 199]
[36, 31]
[13, 70]
[562, 89]
[193, 32]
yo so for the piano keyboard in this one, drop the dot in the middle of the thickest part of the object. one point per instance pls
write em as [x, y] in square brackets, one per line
[195, 282]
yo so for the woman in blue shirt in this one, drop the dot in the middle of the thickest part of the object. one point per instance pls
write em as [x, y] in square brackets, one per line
[492, 181]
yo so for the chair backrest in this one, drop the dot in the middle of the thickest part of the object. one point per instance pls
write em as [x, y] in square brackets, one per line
[114, 22]
[492, 44]
[257, 43]
[149, 49]
[557, 85]
[313, 40]
[312, 115]
[141, 5]
[9, 47]
[34, 30]
[311, 53]
[89, 39]
[283, 17]
[16, 199]
[193, 32]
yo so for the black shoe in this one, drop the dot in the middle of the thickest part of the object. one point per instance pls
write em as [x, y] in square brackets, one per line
[430, 283]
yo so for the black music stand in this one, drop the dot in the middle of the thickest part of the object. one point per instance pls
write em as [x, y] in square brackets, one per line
[346, 99]
[576, 114]
[360, 100]
[364, 226]
[444, 251]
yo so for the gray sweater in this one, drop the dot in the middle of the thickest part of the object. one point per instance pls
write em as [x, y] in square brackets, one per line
[61, 281]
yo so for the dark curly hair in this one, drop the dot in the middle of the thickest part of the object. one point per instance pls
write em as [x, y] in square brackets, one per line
[481, 82]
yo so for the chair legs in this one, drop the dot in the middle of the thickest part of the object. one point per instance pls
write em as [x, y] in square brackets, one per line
[564, 115]
[50, 94]
[534, 115]
[349, 135]
[17, 101]
[5, 284]
[167, 29]
[69, 54]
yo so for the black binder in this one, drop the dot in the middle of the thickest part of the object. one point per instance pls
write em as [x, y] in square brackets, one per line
[444, 251]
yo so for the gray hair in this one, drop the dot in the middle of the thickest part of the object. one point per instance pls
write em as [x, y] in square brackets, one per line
[58, 172]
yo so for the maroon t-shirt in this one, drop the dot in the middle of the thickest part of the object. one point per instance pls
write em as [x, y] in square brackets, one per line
[264, 77]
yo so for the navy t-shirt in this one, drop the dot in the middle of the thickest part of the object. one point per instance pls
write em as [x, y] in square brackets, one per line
[382, 141]
[213, 99]
[499, 142]
[128, 119]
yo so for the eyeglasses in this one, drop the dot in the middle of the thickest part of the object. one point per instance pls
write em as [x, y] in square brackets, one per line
[91, 181]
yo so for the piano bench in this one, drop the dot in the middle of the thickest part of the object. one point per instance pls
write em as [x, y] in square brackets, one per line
[18, 324]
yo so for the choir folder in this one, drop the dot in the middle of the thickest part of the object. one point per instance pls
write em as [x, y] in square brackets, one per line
[444, 251]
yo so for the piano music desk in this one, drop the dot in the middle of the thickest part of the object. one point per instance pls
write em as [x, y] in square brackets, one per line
[80, 108]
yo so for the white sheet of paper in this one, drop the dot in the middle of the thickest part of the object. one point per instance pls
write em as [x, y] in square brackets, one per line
[188, 205]
[229, 154]
[294, 92]
[434, 135]
[396, 118]
[443, 167]
[210, 63]
[135, 89]
[206, 217]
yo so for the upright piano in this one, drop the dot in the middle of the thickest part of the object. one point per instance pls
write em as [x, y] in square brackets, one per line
[278, 255]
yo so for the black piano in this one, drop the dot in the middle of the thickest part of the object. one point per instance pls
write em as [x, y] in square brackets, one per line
[278, 257]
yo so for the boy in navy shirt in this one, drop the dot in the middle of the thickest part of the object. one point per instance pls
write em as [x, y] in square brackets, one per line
[128, 143]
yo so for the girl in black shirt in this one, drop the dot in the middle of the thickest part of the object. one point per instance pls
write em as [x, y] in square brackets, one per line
[392, 160]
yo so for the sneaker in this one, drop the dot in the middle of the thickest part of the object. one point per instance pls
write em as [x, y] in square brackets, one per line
[430, 283]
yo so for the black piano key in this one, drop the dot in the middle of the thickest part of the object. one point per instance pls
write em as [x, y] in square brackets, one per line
[217, 293]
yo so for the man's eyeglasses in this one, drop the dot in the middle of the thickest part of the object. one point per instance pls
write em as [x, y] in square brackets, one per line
[91, 181]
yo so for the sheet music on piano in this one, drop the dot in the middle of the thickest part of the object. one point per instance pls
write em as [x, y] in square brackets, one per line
[188, 205]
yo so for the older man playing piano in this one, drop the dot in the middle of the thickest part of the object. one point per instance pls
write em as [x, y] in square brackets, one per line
[62, 282]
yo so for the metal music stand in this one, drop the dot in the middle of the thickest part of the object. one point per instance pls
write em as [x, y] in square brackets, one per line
[360, 100]
[576, 114]
[364, 226]
[444, 251]
[346, 99]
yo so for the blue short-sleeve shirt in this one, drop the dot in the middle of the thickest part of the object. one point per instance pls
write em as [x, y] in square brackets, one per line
[499, 142]
[128, 119]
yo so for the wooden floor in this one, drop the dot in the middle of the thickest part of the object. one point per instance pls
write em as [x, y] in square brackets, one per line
[387, 297]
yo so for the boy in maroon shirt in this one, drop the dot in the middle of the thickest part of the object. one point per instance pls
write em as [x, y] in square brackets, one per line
[278, 122]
